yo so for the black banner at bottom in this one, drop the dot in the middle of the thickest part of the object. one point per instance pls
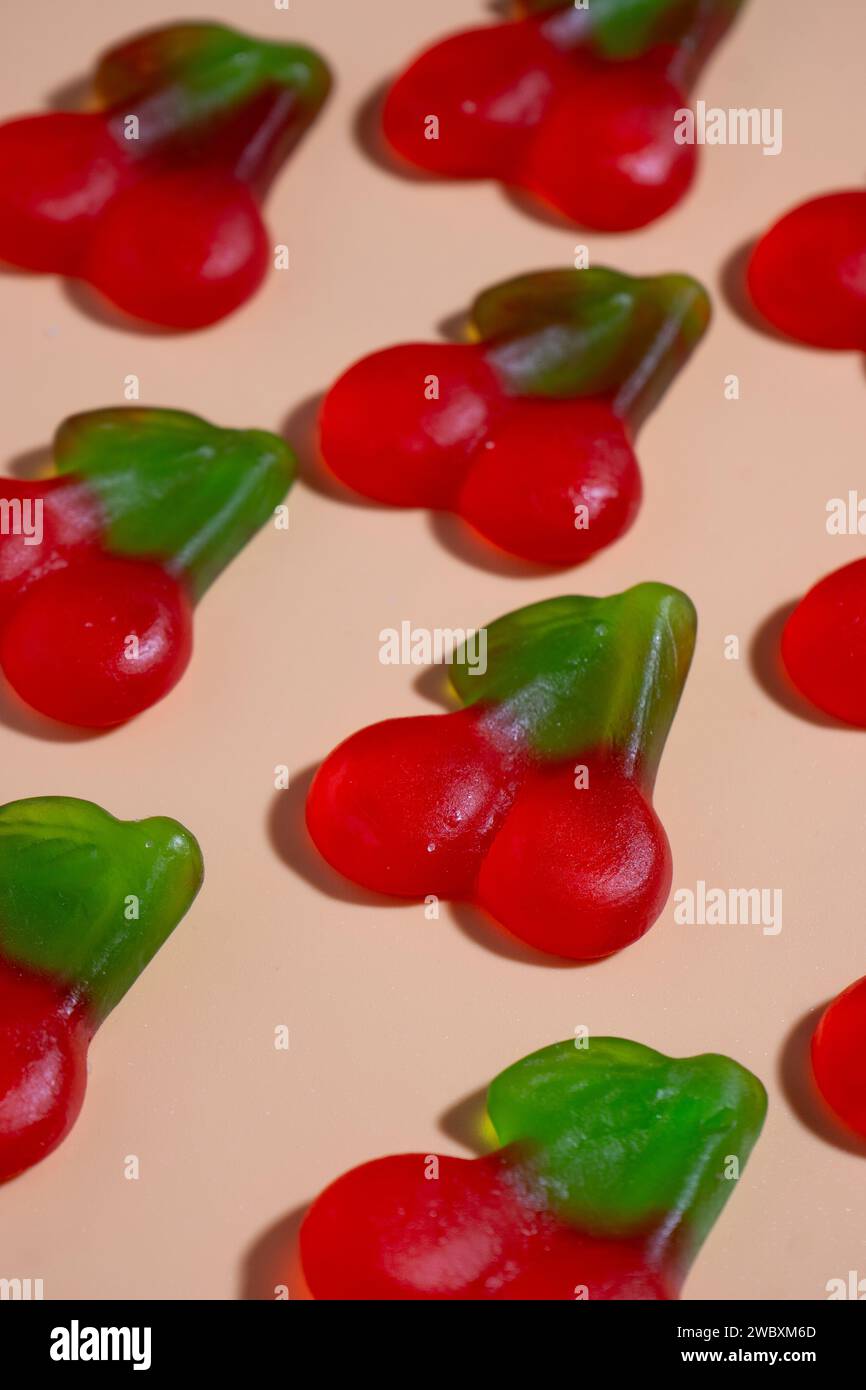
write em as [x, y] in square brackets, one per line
[66, 1338]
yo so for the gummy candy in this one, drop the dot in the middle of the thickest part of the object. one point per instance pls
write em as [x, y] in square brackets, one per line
[824, 644]
[806, 273]
[576, 106]
[616, 1162]
[533, 802]
[85, 902]
[150, 195]
[838, 1053]
[100, 565]
[526, 432]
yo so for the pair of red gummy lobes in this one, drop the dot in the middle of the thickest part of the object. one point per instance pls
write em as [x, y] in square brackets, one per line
[526, 432]
[614, 1163]
[576, 106]
[534, 801]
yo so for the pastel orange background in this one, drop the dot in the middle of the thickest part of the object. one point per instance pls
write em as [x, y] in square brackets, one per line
[395, 1021]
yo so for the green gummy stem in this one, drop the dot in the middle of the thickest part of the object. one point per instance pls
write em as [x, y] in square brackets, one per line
[623, 1139]
[88, 899]
[210, 71]
[597, 332]
[572, 674]
[174, 488]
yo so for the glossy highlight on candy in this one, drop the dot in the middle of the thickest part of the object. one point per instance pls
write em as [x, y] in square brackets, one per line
[576, 106]
[615, 1163]
[101, 564]
[150, 195]
[534, 801]
[85, 902]
[527, 431]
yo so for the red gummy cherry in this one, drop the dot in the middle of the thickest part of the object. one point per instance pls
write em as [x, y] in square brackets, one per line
[839, 1056]
[44, 1036]
[584, 115]
[150, 195]
[824, 644]
[449, 805]
[807, 275]
[384, 1232]
[98, 642]
[534, 801]
[527, 431]
[100, 565]
[182, 248]
[551, 481]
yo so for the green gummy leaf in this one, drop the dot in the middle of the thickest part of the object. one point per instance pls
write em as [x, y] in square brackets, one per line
[209, 71]
[174, 488]
[622, 29]
[624, 1139]
[90, 899]
[574, 673]
[595, 332]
